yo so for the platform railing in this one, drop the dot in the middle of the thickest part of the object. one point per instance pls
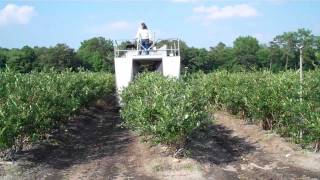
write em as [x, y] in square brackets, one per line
[122, 48]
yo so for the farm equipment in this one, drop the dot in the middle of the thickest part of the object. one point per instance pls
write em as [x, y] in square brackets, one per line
[131, 58]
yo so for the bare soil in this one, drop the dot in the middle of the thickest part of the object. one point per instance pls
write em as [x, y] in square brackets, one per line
[93, 145]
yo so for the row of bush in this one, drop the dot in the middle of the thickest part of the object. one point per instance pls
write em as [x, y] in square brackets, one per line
[163, 110]
[32, 104]
[273, 100]
[168, 110]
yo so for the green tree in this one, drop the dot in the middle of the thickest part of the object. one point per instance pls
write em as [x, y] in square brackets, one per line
[3, 57]
[21, 60]
[58, 57]
[263, 57]
[317, 47]
[202, 62]
[245, 49]
[288, 41]
[276, 54]
[41, 58]
[97, 54]
[308, 40]
[221, 56]
[195, 59]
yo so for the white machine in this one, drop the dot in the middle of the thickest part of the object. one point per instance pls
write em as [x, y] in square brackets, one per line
[163, 56]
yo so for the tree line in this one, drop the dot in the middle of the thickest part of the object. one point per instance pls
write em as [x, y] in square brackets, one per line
[246, 54]
[95, 54]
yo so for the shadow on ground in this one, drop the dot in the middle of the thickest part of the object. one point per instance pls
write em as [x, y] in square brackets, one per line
[92, 134]
[95, 135]
[216, 145]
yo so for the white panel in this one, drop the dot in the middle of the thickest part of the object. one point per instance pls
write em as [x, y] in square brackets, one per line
[124, 71]
[171, 66]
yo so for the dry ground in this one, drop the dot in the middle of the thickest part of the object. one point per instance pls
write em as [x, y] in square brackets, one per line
[93, 145]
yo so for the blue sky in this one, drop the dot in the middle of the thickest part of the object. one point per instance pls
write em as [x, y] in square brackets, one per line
[201, 23]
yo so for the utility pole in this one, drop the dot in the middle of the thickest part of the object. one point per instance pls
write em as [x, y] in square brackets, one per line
[301, 83]
[301, 70]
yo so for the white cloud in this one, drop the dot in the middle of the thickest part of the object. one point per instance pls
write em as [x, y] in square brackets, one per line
[13, 14]
[213, 13]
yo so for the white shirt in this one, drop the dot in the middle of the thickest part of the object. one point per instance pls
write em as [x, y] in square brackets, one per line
[143, 34]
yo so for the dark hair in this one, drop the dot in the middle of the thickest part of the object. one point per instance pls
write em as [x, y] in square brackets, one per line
[144, 26]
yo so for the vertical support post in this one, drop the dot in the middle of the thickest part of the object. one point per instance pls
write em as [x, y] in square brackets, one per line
[153, 39]
[115, 49]
[301, 72]
[175, 48]
[178, 47]
[301, 84]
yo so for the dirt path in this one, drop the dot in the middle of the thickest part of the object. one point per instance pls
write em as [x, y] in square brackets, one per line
[94, 146]
[270, 157]
[91, 146]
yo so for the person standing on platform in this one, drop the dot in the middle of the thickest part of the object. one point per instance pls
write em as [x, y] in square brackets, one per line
[143, 37]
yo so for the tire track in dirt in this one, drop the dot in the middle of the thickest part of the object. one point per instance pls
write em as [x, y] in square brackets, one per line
[93, 145]
[273, 157]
